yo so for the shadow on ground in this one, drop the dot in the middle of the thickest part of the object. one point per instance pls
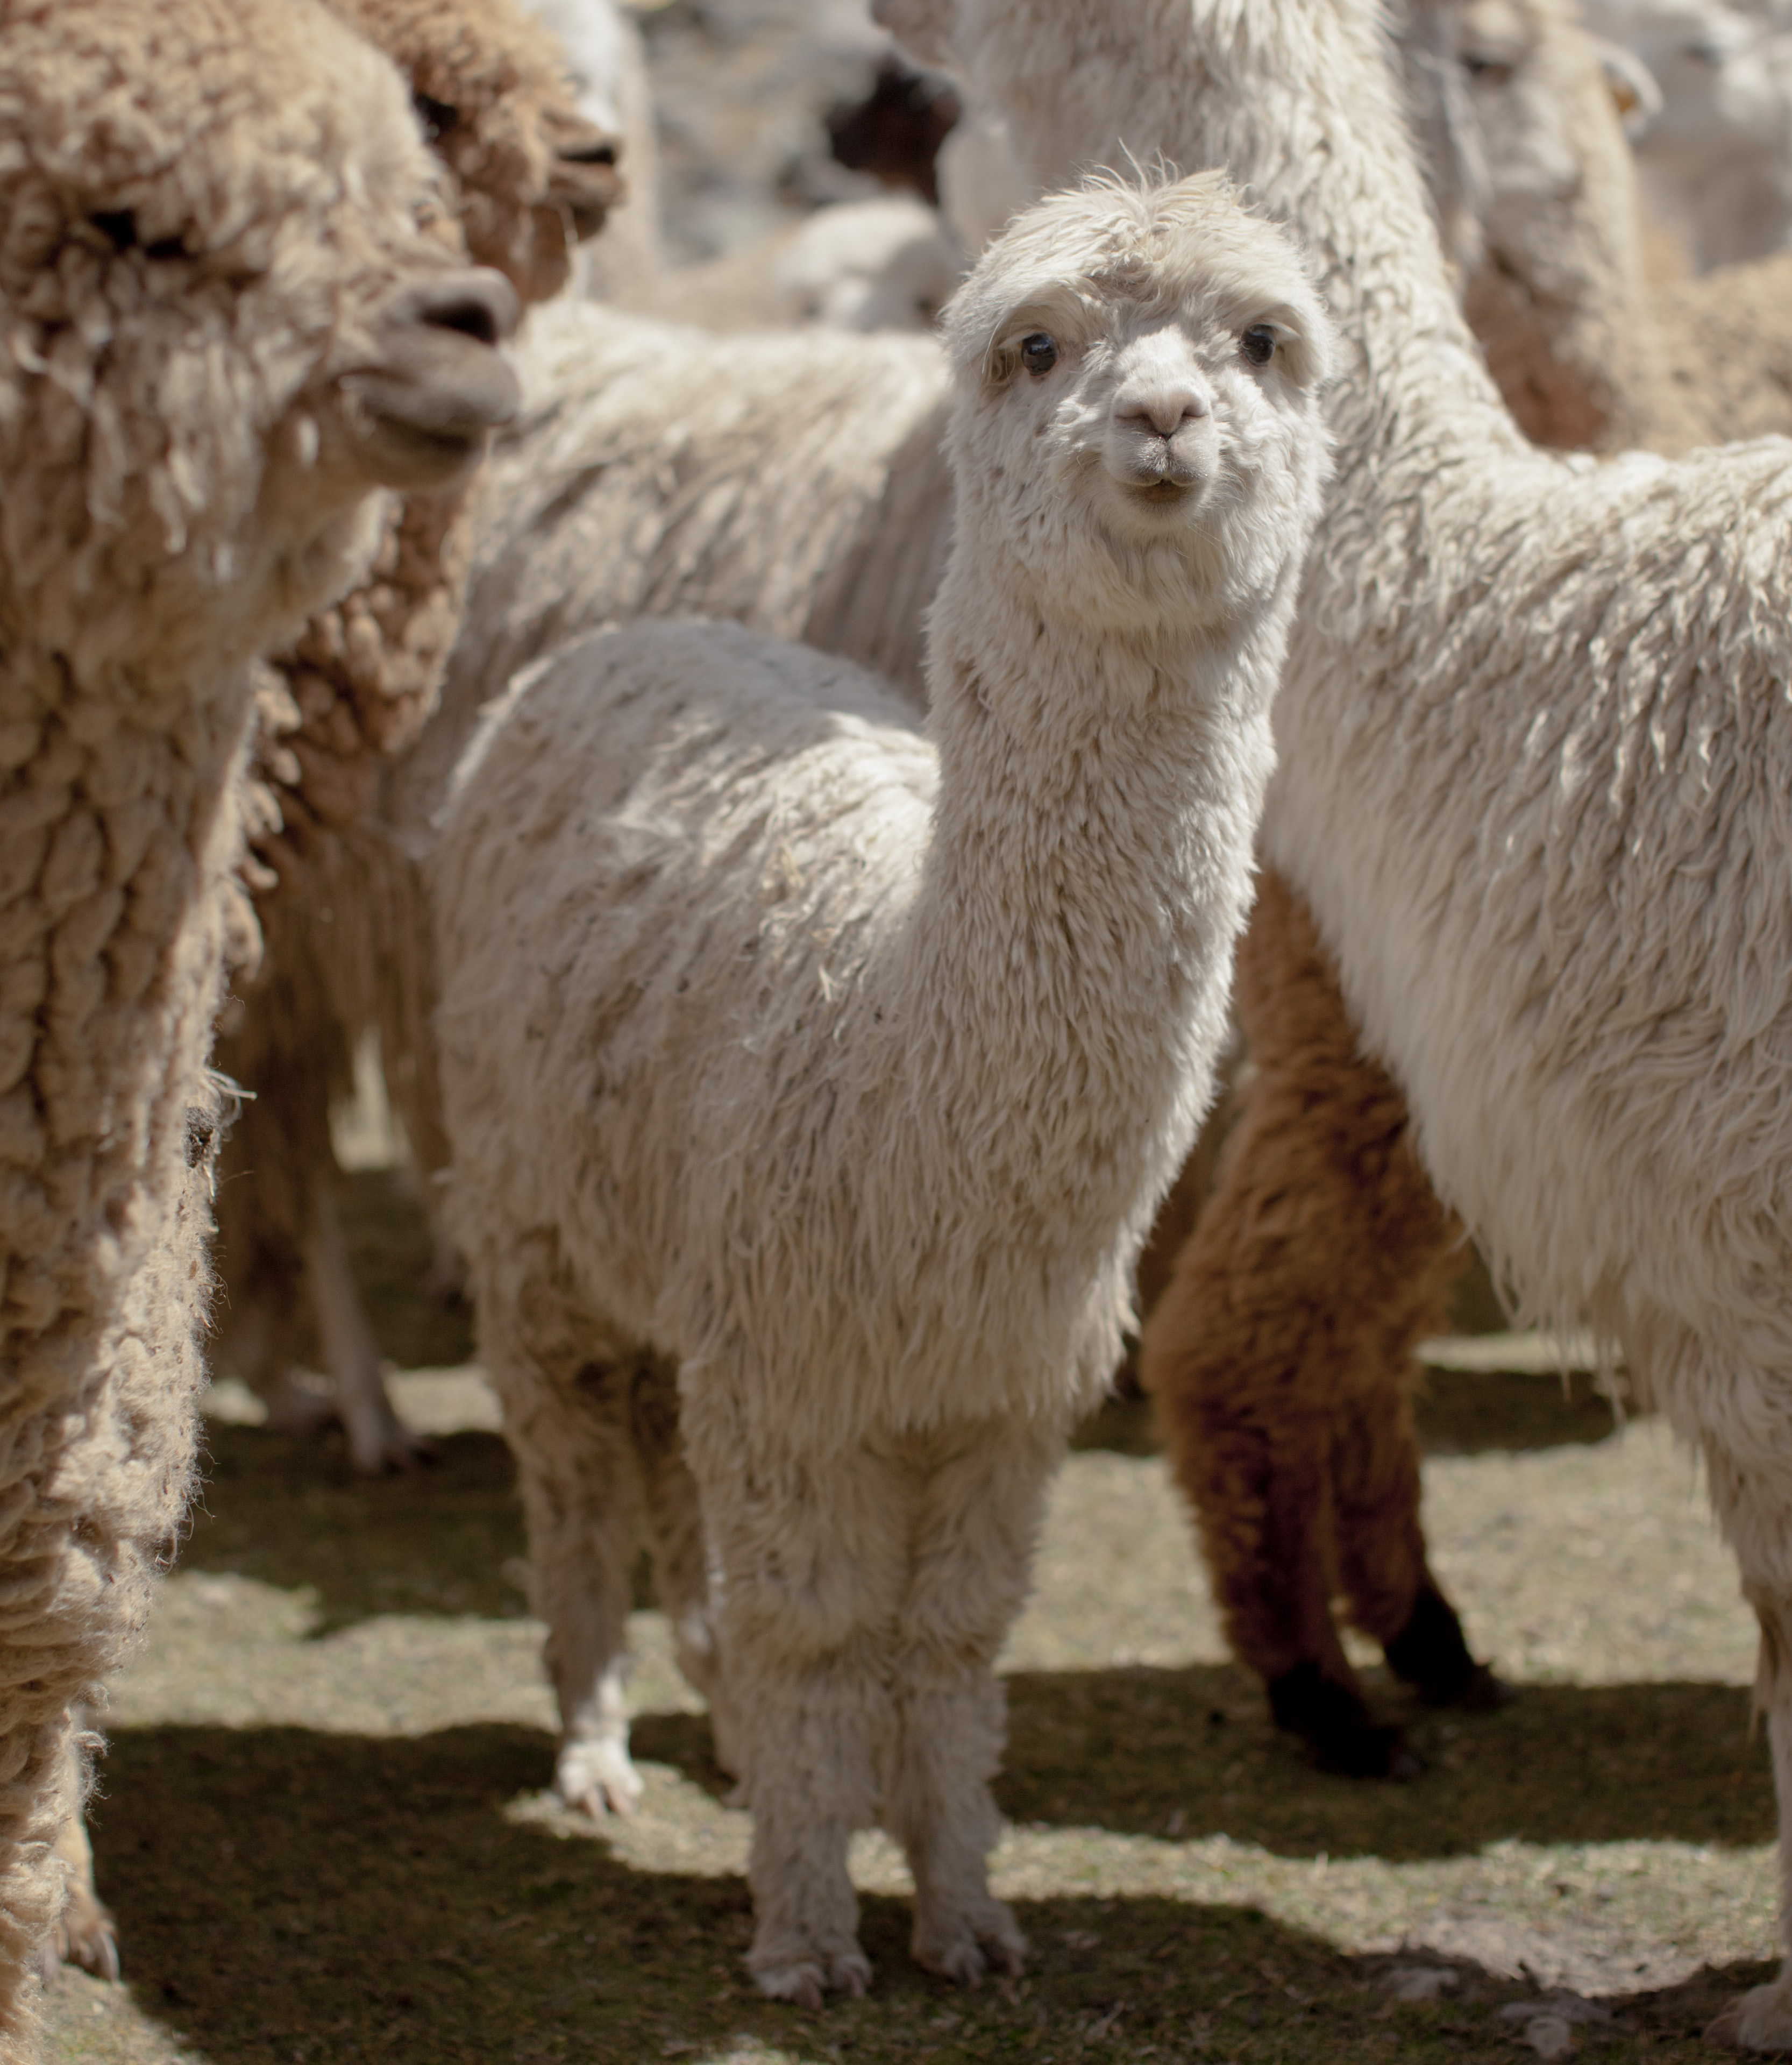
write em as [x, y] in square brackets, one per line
[1192, 1752]
[288, 1510]
[1184, 1754]
[283, 1893]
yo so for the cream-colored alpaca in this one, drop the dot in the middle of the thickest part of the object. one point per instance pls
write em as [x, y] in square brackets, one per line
[1536, 748]
[226, 325]
[843, 1067]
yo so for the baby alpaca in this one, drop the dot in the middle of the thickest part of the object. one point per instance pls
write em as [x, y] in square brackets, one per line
[842, 1067]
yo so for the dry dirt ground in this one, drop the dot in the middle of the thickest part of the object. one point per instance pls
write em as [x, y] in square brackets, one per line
[325, 1831]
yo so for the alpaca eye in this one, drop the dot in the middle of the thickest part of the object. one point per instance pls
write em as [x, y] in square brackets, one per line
[1491, 72]
[1258, 344]
[1038, 353]
[438, 118]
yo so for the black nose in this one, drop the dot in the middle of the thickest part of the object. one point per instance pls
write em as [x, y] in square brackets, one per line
[478, 303]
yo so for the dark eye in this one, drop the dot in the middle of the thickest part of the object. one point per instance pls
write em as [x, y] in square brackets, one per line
[117, 224]
[1038, 353]
[1258, 344]
[438, 118]
[1492, 71]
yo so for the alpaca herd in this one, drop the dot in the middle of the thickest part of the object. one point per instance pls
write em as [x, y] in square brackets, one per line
[790, 816]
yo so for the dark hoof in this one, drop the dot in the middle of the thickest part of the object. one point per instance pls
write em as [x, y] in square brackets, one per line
[1335, 1724]
[1430, 1653]
[1483, 1694]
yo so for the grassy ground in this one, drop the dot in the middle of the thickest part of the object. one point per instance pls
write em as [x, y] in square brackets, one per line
[325, 1829]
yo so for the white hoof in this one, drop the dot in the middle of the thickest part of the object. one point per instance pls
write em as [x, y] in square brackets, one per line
[989, 1941]
[87, 1936]
[805, 1981]
[597, 1778]
[1760, 2020]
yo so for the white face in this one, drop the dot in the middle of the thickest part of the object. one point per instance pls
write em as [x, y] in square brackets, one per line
[1138, 428]
[1726, 73]
[1163, 426]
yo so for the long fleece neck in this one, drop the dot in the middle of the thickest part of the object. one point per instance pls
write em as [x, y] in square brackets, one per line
[1059, 989]
[126, 832]
[1298, 99]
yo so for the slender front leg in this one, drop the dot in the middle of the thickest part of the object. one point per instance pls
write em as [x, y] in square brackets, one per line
[566, 1392]
[378, 1439]
[811, 1555]
[675, 1530]
[977, 1506]
[1754, 1508]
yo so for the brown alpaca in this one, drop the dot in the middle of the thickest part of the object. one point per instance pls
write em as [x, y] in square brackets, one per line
[526, 178]
[1320, 1259]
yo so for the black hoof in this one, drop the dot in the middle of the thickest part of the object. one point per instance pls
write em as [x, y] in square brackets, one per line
[1430, 1653]
[1335, 1724]
[1483, 1694]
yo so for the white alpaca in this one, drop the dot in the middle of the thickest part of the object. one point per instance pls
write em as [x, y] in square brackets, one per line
[1717, 161]
[844, 1067]
[227, 324]
[1518, 110]
[1536, 742]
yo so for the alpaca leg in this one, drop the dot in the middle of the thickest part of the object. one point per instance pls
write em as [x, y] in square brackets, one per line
[675, 1531]
[1761, 2019]
[812, 1560]
[42, 1798]
[1381, 1554]
[565, 1392]
[378, 1438]
[1753, 1504]
[1222, 1355]
[1277, 1310]
[86, 1933]
[977, 1516]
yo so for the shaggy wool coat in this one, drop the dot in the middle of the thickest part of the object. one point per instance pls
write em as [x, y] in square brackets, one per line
[209, 210]
[1535, 739]
[844, 1068]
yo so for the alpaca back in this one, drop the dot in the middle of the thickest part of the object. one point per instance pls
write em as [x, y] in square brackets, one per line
[614, 791]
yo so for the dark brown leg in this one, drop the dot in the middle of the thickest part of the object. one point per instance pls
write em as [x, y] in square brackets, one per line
[1278, 1355]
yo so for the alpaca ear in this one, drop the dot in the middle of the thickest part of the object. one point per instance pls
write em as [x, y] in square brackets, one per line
[922, 27]
[1632, 86]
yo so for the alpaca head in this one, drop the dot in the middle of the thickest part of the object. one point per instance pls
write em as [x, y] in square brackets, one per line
[1520, 114]
[227, 322]
[530, 175]
[1138, 428]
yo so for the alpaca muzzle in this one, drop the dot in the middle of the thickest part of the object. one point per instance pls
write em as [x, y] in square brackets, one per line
[421, 413]
[583, 183]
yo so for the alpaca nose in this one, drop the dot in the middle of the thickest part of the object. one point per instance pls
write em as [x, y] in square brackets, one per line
[478, 302]
[1161, 406]
[584, 180]
[438, 383]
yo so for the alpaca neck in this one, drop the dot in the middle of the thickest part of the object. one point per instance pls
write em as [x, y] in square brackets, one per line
[113, 959]
[1297, 100]
[1064, 980]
